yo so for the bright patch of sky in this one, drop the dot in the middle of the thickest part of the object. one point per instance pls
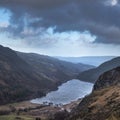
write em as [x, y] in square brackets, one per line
[80, 44]
[76, 50]
[114, 2]
[4, 18]
[111, 2]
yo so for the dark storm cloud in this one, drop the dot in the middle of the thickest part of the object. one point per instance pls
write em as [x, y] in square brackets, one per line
[99, 17]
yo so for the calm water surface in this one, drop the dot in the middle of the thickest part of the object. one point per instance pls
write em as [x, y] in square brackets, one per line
[66, 93]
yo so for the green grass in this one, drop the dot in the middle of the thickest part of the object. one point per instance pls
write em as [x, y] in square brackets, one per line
[14, 117]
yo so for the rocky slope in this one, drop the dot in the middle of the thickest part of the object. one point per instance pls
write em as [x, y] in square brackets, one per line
[104, 102]
[26, 76]
[93, 74]
[110, 78]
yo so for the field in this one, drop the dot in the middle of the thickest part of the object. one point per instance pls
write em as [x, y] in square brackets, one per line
[28, 111]
[14, 117]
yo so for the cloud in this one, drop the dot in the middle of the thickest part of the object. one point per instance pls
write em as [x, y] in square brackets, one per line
[4, 24]
[111, 2]
[31, 18]
[64, 47]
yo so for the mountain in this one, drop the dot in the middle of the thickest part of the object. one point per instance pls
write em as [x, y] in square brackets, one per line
[109, 78]
[27, 76]
[93, 74]
[104, 101]
[91, 60]
[52, 67]
[19, 80]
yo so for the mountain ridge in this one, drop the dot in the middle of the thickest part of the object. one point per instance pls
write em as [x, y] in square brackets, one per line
[29, 76]
[91, 60]
[92, 75]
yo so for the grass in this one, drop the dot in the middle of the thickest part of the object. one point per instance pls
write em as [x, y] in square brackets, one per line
[14, 117]
[113, 118]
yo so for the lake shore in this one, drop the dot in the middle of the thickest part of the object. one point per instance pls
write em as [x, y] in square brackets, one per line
[70, 91]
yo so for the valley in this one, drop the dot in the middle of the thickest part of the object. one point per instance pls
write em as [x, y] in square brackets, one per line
[29, 111]
[27, 79]
[59, 60]
[19, 72]
[103, 103]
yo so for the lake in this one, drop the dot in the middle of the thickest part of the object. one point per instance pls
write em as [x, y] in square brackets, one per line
[66, 93]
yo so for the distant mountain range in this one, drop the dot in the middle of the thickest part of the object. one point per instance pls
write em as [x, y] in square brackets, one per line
[91, 60]
[93, 74]
[52, 67]
[26, 76]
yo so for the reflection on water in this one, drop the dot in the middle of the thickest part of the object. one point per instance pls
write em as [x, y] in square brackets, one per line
[67, 92]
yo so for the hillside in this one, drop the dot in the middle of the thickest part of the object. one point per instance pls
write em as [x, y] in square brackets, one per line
[104, 102]
[19, 80]
[53, 68]
[93, 74]
[26, 76]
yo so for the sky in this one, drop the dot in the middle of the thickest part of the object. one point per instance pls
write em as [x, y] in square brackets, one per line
[61, 27]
